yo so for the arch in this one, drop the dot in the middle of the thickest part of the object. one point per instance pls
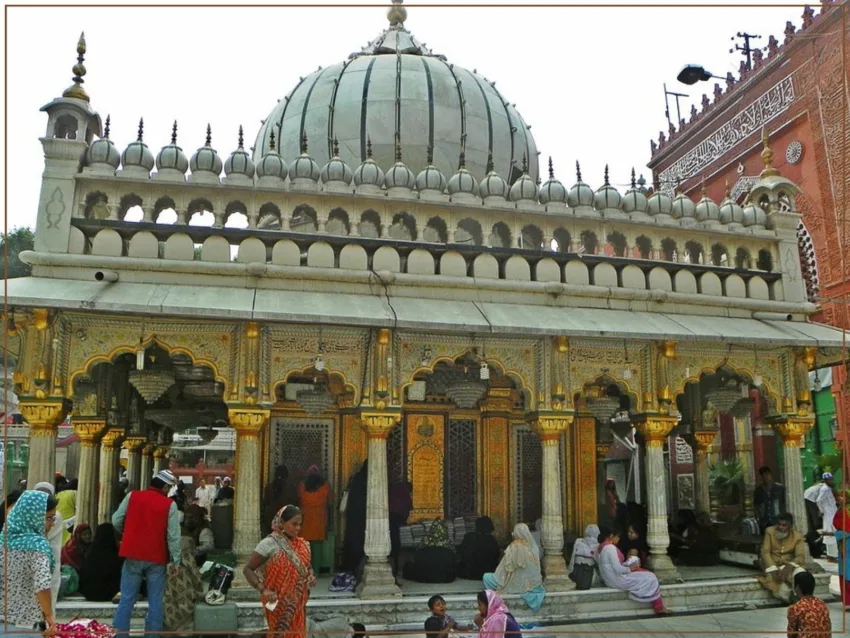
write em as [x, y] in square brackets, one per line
[589, 244]
[764, 261]
[531, 238]
[303, 219]
[130, 204]
[669, 250]
[743, 260]
[269, 217]
[719, 255]
[562, 240]
[693, 252]
[370, 224]
[643, 245]
[338, 223]
[469, 232]
[66, 127]
[403, 227]
[727, 368]
[96, 206]
[236, 215]
[200, 212]
[618, 243]
[436, 231]
[329, 373]
[615, 386]
[165, 205]
[501, 236]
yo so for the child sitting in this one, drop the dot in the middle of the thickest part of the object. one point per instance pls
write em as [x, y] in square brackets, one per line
[439, 625]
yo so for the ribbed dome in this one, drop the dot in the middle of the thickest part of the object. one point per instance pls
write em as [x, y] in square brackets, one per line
[462, 182]
[683, 207]
[607, 196]
[754, 215]
[730, 211]
[304, 166]
[137, 153]
[272, 164]
[369, 173]
[399, 176]
[525, 188]
[634, 201]
[659, 204]
[103, 151]
[239, 162]
[336, 170]
[707, 210]
[206, 158]
[438, 104]
[552, 190]
[580, 194]
[172, 156]
[431, 178]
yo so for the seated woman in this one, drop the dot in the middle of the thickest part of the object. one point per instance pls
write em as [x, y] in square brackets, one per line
[586, 551]
[702, 546]
[100, 575]
[680, 530]
[619, 573]
[634, 542]
[479, 552]
[75, 549]
[434, 561]
[519, 571]
[494, 619]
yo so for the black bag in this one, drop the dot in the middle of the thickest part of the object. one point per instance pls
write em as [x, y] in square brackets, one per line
[221, 579]
[582, 575]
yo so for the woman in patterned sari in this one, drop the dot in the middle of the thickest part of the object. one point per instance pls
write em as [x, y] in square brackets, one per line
[280, 569]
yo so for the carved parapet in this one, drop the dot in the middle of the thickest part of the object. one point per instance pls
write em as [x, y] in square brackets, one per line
[792, 429]
[704, 439]
[44, 416]
[88, 429]
[111, 437]
[550, 426]
[655, 428]
[248, 421]
[379, 424]
[134, 443]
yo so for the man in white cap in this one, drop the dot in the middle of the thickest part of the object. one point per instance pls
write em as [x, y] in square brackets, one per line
[828, 507]
[149, 523]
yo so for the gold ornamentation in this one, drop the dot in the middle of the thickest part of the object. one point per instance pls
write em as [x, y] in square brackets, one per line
[248, 421]
[497, 400]
[40, 319]
[549, 427]
[88, 430]
[704, 439]
[378, 424]
[602, 449]
[792, 429]
[134, 443]
[655, 428]
[668, 349]
[495, 427]
[562, 344]
[161, 452]
[111, 437]
[44, 416]
[584, 469]
[148, 449]
[425, 463]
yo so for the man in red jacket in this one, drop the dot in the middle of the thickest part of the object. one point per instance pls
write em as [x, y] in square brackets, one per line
[149, 522]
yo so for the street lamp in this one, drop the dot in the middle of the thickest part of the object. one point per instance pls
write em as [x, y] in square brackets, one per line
[693, 73]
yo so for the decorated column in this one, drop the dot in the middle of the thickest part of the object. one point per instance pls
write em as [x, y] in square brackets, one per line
[378, 580]
[550, 428]
[703, 440]
[109, 453]
[655, 429]
[146, 464]
[792, 430]
[89, 430]
[249, 423]
[160, 456]
[744, 452]
[44, 417]
[133, 445]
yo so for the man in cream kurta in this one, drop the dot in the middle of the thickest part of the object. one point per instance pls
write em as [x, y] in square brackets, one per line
[783, 556]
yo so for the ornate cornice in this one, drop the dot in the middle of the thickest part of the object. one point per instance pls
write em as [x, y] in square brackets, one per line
[248, 421]
[111, 437]
[655, 428]
[161, 452]
[550, 426]
[792, 429]
[704, 439]
[134, 443]
[88, 429]
[379, 424]
[44, 416]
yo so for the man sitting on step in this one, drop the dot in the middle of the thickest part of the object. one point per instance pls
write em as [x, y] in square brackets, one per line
[782, 557]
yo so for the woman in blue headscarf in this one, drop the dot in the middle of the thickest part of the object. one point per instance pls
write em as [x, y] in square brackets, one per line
[25, 596]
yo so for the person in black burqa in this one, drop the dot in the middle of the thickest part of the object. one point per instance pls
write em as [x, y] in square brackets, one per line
[479, 552]
[355, 520]
[277, 495]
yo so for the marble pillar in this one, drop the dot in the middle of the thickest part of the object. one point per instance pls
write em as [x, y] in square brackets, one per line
[378, 580]
[744, 452]
[133, 445]
[550, 429]
[146, 464]
[655, 429]
[249, 423]
[160, 456]
[109, 455]
[792, 430]
[44, 417]
[89, 430]
[703, 440]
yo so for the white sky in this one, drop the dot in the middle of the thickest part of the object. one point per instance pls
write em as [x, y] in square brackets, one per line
[588, 80]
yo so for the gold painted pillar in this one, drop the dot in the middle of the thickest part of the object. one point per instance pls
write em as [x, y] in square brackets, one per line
[585, 496]
[160, 456]
[744, 452]
[44, 417]
[146, 464]
[133, 445]
[109, 456]
[378, 580]
[495, 414]
[655, 429]
[550, 427]
[703, 440]
[249, 423]
[89, 430]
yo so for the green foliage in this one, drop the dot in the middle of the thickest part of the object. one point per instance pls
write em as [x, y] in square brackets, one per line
[16, 241]
[829, 463]
[727, 480]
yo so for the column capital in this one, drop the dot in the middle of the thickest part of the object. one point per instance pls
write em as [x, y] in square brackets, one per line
[704, 439]
[549, 426]
[88, 429]
[379, 423]
[44, 415]
[111, 437]
[655, 428]
[248, 421]
[161, 452]
[791, 428]
[498, 400]
[134, 443]
[148, 448]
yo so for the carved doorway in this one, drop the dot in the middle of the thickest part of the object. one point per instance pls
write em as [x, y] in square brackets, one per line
[300, 443]
[461, 474]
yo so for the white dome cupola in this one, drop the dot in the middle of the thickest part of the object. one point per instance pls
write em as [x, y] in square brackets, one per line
[171, 161]
[205, 164]
[607, 197]
[634, 201]
[462, 186]
[271, 169]
[399, 180]
[102, 155]
[524, 190]
[239, 168]
[431, 183]
[580, 195]
[336, 175]
[552, 191]
[137, 159]
[368, 177]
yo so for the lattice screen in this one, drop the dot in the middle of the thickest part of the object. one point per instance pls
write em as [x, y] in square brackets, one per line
[528, 481]
[300, 443]
[395, 455]
[461, 477]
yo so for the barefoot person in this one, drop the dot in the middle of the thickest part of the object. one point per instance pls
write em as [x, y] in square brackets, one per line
[782, 557]
[627, 575]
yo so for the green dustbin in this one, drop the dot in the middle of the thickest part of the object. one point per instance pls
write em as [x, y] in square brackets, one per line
[214, 619]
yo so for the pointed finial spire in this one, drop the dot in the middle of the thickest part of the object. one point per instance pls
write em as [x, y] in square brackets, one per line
[336, 147]
[369, 147]
[141, 129]
[271, 142]
[461, 160]
[304, 142]
[397, 148]
[106, 128]
[430, 155]
[397, 14]
[634, 182]
[578, 171]
[241, 138]
[76, 90]
[703, 191]
[607, 182]
[728, 188]
[209, 135]
[491, 167]
[551, 169]
[767, 156]
[174, 133]
[524, 164]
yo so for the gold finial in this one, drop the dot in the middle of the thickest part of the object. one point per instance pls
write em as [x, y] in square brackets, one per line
[767, 156]
[397, 14]
[76, 90]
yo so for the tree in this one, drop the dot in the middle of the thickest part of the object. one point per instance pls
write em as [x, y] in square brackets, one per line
[17, 240]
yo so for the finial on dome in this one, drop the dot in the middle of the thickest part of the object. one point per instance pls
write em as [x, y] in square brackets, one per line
[607, 182]
[241, 138]
[304, 142]
[430, 155]
[490, 165]
[174, 133]
[336, 147]
[271, 142]
[728, 189]
[369, 147]
[106, 128]
[767, 156]
[551, 169]
[76, 90]
[634, 183]
[398, 148]
[209, 135]
[141, 129]
[578, 171]
[397, 14]
[461, 160]
[524, 164]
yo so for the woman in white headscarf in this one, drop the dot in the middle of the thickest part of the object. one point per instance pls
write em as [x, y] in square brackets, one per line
[54, 538]
[519, 570]
[586, 549]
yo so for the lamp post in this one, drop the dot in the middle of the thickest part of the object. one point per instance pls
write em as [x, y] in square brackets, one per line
[693, 73]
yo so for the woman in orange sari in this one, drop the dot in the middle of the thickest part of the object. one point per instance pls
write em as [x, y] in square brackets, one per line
[314, 499]
[280, 569]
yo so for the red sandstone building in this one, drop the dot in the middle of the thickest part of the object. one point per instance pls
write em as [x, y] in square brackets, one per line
[797, 91]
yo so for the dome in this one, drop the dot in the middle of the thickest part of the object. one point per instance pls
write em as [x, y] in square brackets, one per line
[439, 105]
[399, 176]
[369, 173]
[580, 194]
[607, 196]
[730, 211]
[239, 162]
[754, 215]
[634, 201]
[271, 164]
[206, 158]
[304, 166]
[659, 203]
[462, 182]
[683, 207]
[525, 188]
[492, 185]
[707, 210]
[552, 190]
[172, 156]
[430, 178]
[336, 170]
[103, 150]
[137, 153]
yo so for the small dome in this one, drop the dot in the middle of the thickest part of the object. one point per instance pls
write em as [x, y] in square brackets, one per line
[659, 204]
[239, 162]
[524, 189]
[552, 190]
[430, 178]
[492, 185]
[399, 176]
[271, 164]
[137, 153]
[730, 211]
[683, 207]
[369, 173]
[754, 215]
[707, 210]
[607, 196]
[462, 181]
[580, 194]
[336, 170]
[304, 166]
[634, 201]
[206, 158]
[172, 156]
[103, 151]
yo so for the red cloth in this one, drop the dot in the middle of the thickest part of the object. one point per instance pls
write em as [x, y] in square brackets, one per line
[146, 527]
[74, 550]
